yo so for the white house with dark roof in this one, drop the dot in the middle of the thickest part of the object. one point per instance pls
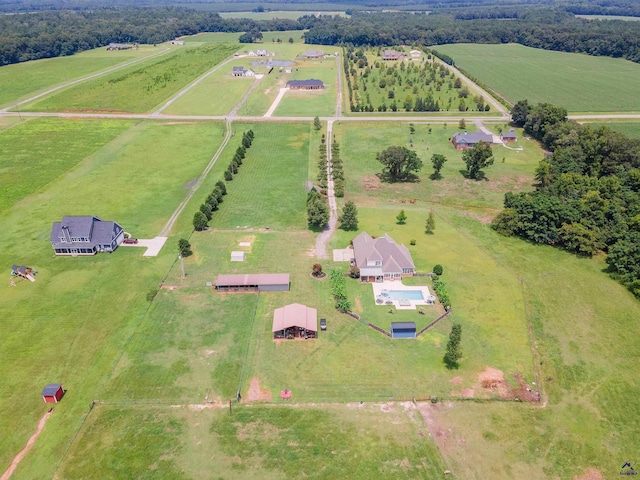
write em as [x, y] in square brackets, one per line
[381, 258]
[85, 235]
[463, 141]
[241, 72]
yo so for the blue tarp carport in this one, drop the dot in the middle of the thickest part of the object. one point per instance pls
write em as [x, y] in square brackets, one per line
[403, 330]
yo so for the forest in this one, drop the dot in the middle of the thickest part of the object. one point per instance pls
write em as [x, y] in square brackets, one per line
[587, 196]
[549, 29]
[51, 29]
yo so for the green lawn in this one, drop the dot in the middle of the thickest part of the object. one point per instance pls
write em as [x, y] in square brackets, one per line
[19, 81]
[36, 152]
[228, 37]
[86, 308]
[631, 129]
[207, 98]
[359, 143]
[580, 83]
[270, 187]
[311, 103]
[325, 442]
[139, 88]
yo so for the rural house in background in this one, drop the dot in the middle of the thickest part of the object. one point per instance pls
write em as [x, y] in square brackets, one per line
[85, 235]
[313, 54]
[241, 72]
[310, 84]
[392, 55]
[509, 136]
[119, 46]
[295, 321]
[463, 141]
[381, 258]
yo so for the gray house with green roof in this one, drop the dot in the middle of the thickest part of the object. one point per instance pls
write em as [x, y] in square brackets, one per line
[85, 235]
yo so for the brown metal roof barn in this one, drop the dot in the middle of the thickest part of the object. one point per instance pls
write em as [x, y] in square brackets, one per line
[262, 282]
[295, 321]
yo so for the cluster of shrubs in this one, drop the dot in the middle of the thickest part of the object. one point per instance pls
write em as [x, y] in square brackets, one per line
[440, 287]
[339, 291]
[337, 171]
[215, 198]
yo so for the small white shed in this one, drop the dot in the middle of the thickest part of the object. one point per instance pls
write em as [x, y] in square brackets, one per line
[238, 256]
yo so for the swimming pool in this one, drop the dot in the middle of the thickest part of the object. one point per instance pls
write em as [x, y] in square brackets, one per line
[398, 294]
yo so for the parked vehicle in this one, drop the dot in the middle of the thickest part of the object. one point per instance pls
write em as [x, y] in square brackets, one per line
[323, 324]
[130, 241]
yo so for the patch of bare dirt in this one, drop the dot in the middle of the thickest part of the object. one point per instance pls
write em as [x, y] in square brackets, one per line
[358, 305]
[493, 380]
[256, 393]
[18, 458]
[208, 353]
[371, 182]
[456, 381]
[386, 407]
[468, 393]
[590, 474]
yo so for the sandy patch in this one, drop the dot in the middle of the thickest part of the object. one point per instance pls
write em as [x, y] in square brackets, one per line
[358, 305]
[371, 182]
[590, 474]
[18, 458]
[208, 353]
[386, 407]
[256, 393]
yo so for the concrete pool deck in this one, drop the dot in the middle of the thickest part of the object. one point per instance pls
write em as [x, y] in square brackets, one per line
[378, 288]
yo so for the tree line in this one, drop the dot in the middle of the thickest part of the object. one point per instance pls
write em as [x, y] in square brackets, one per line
[31, 36]
[546, 28]
[587, 196]
[46, 34]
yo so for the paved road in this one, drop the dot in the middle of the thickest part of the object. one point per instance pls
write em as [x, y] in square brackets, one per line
[84, 79]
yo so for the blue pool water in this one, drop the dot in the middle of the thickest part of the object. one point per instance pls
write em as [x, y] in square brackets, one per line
[398, 294]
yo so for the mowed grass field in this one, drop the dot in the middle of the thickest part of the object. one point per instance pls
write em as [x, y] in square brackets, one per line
[19, 81]
[314, 102]
[361, 141]
[72, 324]
[580, 83]
[139, 88]
[630, 129]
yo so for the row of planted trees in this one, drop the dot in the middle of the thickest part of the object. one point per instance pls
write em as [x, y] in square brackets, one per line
[202, 217]
[339, 291]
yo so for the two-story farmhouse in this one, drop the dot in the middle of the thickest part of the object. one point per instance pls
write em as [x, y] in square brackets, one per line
[381, 258]
[85, 235]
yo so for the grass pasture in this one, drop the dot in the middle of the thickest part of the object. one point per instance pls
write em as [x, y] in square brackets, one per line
[314, 102]
[272, 443]
[517, 72]
[139, 88]
[36, 152]
[359, 143]
[19, 81]
[86, 307]
[631, 129]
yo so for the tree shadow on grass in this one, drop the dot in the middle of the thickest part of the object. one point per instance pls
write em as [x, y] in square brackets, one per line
[481, 176]
[386, 178]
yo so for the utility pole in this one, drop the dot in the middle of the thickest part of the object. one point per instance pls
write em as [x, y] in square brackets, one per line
[184, 275]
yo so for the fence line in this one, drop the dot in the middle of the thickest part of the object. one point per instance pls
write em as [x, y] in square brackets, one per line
[378, 329]
[433, 323]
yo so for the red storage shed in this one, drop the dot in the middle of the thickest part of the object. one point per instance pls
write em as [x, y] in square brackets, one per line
[52, 393]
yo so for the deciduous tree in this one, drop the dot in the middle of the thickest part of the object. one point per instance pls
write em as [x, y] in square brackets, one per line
[438, 160]
[476, 159]
[400, 163]
[199, 221]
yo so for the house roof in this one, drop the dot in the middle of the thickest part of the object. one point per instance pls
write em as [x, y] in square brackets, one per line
[313, 53]
[305, 83]
[295, 315]
[252, 279]
[403, 325]
[394, 257]
[510, 134]
[96, 230]
[391, 54]
[472, 138]
[238, 69]
[51, 389]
